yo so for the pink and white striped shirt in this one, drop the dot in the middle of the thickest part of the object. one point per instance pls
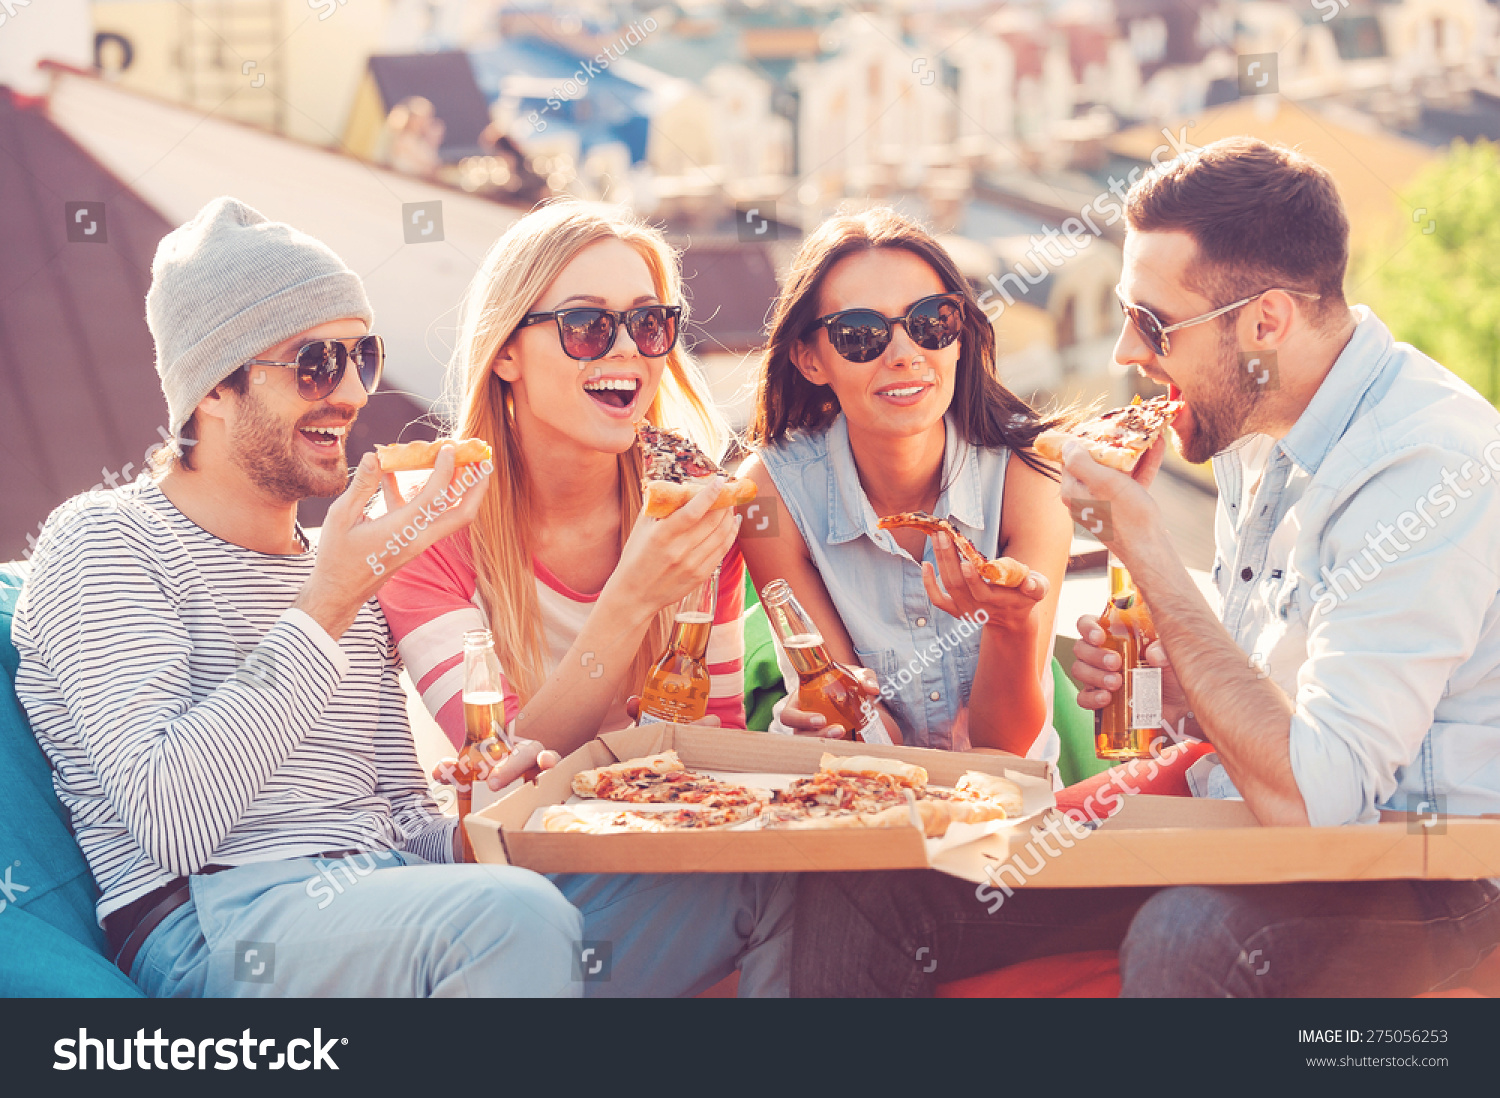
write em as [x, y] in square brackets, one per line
[434, 600]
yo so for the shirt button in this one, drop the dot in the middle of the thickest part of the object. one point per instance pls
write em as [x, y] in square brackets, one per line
[921, 622]
[933, 695]
[1246, 574]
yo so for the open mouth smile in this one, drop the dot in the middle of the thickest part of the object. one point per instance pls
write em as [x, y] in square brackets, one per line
[325, 439]
[616, 395]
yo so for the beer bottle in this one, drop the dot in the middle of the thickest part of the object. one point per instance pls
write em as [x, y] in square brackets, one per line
[676, 687]
[1125, 727]
[485, 738]
[826, 687]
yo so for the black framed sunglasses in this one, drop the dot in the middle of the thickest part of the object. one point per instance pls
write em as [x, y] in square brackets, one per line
[1155, 334]
[861, 335]
[587, 333]
[320, 365]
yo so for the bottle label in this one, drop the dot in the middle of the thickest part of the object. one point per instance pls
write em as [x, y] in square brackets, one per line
[1145, 697]
[873, 731]
[651, 718]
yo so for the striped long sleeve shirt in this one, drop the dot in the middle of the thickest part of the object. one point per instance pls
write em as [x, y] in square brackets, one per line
[192, 717]
[434, 600]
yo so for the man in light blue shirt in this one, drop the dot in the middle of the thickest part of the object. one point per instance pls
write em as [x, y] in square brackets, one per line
[1353, 662]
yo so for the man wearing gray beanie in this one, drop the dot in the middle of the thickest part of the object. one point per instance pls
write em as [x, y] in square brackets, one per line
[220, 702]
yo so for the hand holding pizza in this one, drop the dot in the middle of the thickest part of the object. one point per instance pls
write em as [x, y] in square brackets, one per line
[1129, 514]
[964, 592]
[665, 559]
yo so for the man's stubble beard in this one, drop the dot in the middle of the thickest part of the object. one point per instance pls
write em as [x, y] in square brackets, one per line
[1217, 427]
[266, 451]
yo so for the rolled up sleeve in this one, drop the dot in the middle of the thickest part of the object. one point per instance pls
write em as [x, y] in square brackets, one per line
[1382, 650]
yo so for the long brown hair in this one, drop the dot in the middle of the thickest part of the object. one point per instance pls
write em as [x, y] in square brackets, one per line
[516, 271]
[986, 412]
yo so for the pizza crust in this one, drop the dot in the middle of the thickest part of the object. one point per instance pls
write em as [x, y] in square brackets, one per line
[663, 497]
[1004, 792]
[586, 782]
[1116, 438]
[1122, 458]
[872, 766]
[403, 457]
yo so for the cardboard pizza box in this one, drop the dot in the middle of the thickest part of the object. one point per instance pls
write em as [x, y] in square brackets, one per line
[1159, 841]
[499, 833]
[1150, 841]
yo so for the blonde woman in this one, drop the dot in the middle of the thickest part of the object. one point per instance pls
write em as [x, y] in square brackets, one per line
[568, 338]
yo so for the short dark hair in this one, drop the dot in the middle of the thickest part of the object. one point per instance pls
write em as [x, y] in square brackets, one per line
[1263, 216]
[182, 452]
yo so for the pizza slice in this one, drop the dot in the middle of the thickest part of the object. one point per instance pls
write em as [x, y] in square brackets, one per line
[662, 779]
[405, 456]
[1005, 572]
[597, 782]
[563, 818]
[1117, 438]
[872, 766]
[674, 470]
[978, 797]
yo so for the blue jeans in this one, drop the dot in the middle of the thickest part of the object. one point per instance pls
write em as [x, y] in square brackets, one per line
[386, 925]
[902, 933]
[678, 934]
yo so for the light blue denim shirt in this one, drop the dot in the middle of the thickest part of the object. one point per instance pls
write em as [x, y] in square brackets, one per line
[1358, 564]
[925, 658]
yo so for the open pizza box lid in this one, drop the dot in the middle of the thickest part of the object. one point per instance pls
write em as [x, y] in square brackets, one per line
[499, 832]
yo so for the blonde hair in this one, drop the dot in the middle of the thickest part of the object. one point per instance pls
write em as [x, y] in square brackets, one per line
[479, 404]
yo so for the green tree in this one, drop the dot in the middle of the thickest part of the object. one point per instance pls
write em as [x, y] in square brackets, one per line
[1440, 290]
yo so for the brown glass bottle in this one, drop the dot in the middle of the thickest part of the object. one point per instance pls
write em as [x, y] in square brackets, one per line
[485, 739]
[676, 687]
[1125, 727]
[827, 687]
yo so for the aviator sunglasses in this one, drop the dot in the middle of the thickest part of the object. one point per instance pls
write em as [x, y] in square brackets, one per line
[1155, 334]
[861, 335]
[589, 333]
[320, 365]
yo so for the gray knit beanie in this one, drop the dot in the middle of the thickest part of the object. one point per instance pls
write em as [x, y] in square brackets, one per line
[230, 284]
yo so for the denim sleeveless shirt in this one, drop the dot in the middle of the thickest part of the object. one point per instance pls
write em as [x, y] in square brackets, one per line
[925, 658]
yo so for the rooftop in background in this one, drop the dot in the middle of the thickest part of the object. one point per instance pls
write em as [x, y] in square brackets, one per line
[446, 80]
[80, 401]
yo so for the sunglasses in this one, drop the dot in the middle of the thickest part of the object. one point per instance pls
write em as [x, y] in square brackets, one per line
[587, 333]
[1155, 333]
[861, 335]
[320, 365]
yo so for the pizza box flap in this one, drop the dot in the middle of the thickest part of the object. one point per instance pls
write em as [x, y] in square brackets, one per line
[1160, 841]
[498, 832]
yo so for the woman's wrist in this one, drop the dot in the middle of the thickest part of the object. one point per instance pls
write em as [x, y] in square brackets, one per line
[621, 608]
